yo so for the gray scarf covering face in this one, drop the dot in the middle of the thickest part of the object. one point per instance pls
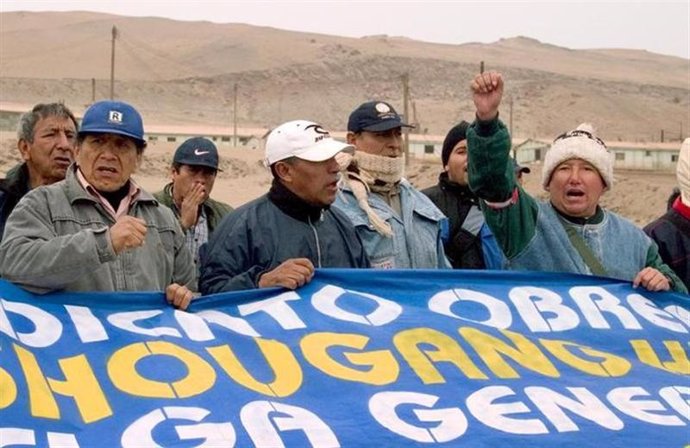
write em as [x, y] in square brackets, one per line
[366, 170]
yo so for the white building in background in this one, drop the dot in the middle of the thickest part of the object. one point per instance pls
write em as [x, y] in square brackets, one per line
[627, 155]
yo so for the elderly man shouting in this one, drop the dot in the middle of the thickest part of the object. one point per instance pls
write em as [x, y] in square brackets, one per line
[97, 230]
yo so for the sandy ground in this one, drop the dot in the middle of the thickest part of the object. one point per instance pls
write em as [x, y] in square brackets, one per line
[638, 195]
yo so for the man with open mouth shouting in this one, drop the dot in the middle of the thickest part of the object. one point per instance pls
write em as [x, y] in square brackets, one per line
[97, 230]
[570, 232]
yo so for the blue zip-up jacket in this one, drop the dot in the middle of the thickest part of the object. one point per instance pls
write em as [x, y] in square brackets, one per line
[531, 233]
[416, 241]
[260, 235]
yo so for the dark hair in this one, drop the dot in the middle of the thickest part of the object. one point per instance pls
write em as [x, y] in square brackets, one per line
[456, 134]
[289, 161]
[27, 122]
[140, 145]
[671, 199]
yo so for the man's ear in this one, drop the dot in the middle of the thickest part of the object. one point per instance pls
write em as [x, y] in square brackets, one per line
[24, 149]
[284, 171]
[351, 137]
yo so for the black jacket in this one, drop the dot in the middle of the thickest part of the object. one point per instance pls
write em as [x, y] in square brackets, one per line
[260, 235]
[463, 247]
[12, 188]
[671, 233]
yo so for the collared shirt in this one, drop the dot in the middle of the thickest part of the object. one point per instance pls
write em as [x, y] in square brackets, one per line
[197, 235]
[123, 208]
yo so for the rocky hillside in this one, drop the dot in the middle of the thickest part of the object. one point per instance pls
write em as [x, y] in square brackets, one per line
[184, 72]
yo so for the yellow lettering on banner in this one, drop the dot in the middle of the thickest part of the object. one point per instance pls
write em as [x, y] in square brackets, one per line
[287, 371]
[647, 355]
[492, 350]
[446, 349]
[81, 384]
[122, 371]
[609, 366]
[8, 389]
[41, 400]
[383, 369]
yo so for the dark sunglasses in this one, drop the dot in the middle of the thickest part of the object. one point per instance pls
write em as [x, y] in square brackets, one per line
[580, 133]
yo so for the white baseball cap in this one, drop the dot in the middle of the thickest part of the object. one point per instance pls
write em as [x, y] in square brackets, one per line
[302, 139]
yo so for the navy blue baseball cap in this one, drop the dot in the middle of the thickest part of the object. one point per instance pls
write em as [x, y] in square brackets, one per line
[520, 168]
[197, 151]
[113, 117]
[375, 116]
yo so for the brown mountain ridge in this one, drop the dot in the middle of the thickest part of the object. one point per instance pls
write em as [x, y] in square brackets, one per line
[184, 72]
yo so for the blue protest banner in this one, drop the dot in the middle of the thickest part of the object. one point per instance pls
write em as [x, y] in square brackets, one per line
[354, 358]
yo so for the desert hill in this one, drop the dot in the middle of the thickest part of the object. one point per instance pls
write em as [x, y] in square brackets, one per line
[184, 72]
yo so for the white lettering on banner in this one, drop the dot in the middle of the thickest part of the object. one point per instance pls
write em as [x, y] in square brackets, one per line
[673, 396]
[451, 423]
[278, 309]
[262, 424]
[499, 312]
[627, 400]
[483, 407]
[532, 303]
[652, 314]
[89, 328]
[325, 301]
[27, 437]
[194, 326]
[47, 328]
[62, 440]
[127, 321]
[593, 300]
[542, 310]
[585, 404]
[680, 313]
[236, 324]
[16, 436]
[140, 433]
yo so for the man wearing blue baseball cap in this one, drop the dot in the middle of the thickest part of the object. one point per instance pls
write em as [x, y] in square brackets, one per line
[97, 230]
[399, 226]
[193, 172]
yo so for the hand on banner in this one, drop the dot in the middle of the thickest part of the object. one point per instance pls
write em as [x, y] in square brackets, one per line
[652, 280]
[487, 91]
[178, 296]
[290, 274]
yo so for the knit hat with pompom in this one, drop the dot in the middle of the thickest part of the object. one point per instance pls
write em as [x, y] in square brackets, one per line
[581, 143]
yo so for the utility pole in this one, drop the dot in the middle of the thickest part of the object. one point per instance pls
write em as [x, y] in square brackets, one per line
[112, 64]
[510, 126]
[406, 137]
[662, 136]
[234, 114]
[93, 90]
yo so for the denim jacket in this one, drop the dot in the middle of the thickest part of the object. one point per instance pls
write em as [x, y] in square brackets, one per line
[57, 238]
[416, 241]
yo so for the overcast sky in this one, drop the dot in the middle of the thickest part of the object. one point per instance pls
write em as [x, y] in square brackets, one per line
[660, 27]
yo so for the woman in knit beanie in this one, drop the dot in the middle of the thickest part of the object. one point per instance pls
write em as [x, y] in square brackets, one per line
[570, 232]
